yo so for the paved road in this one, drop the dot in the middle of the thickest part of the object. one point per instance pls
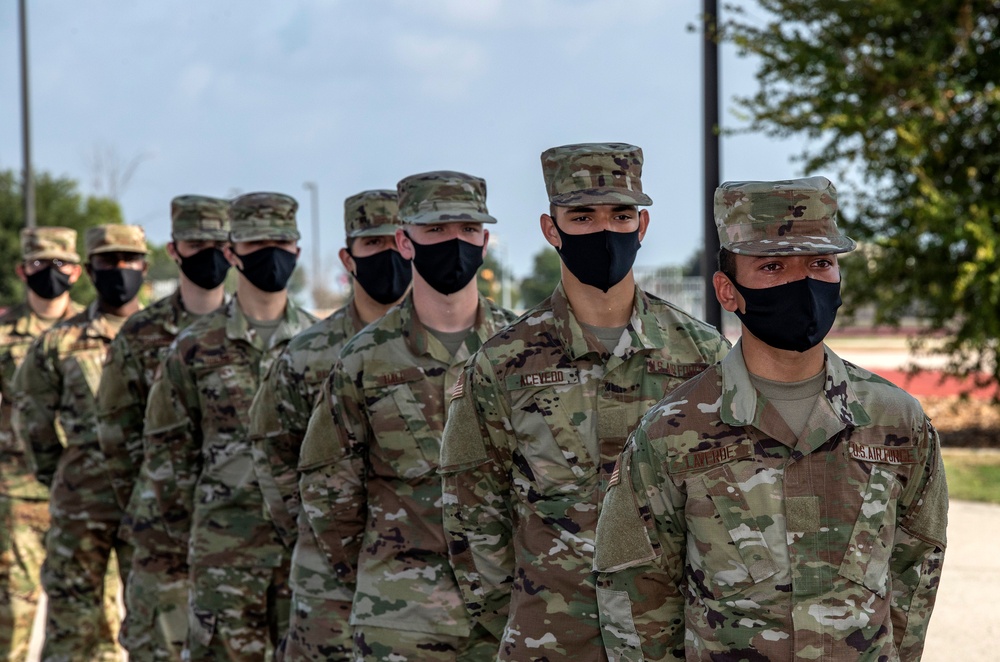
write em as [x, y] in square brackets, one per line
[966, 621]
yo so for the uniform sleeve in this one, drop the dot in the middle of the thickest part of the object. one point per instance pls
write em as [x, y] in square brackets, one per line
[278, 419]
[639, 556]
[121, 406]
[37, 388]
[918, 549]
[475, 466]
[332, 470]
[172, 441]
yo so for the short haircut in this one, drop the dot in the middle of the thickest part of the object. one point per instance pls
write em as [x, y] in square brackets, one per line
[727, 263]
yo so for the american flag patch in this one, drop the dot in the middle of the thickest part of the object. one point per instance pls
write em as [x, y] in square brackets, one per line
[458, 390]
[616, 475]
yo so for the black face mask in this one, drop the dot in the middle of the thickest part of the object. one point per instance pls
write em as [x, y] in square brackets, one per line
[599, 259]
[795, 316]
[49, 283]
[449, 265]
[117, 287]
[207, 268]
[384, 276]
[268, 268]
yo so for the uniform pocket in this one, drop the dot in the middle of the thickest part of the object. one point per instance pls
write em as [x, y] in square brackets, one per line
[736, 557]
[621, 640]
[405, 439]
[866, 559]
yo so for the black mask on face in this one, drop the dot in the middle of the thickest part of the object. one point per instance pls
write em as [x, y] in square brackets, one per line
[117, 286]
[207, 268]
[795, 316]
[599, 259]
[268, 268]
[449, 265]
[49, 282]
[384, 275]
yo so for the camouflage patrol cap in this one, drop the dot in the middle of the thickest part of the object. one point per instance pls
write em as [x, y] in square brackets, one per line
[259, 216]
[786, 217]
[115, 238]
[442, 196]
[199, 217]
[594, 174]
[49, 243]
[371, 213]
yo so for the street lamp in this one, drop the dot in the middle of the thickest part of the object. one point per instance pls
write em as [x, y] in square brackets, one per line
[314, 208]
[29, 180]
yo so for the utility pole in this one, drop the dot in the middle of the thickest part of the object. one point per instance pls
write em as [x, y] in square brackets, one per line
[710, 87]
[314, 205]
[28, 177]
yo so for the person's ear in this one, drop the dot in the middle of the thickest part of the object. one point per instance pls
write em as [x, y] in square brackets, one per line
[232, 258]
[549, 231]
[404, 244]
[725, 292]
[19, 270]
[347, 260]
[643, 222]
[486, 241]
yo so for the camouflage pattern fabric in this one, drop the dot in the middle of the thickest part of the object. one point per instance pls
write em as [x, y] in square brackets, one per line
[56, 385]
[594, 174]
[375, 644]
[114, 238]
[318, 626]
[442, 196]
[201, 472]
[534, 429]
[724, 536]
[24, 511]
[49, 243]
[133, 360]
[261, 216]
[368, 463]
[787, 217]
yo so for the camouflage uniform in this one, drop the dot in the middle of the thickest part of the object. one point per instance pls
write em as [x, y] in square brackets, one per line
[321, 602]
[534, 428]
[200, 466]
[24, 510]
[56, 387]
[155, 625]
[369, 486]
[726, 535]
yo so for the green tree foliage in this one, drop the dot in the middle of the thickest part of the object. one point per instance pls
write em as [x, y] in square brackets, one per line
[491, 278]
[161, 265]
[544, 277]
[57, 202]
[901, 105]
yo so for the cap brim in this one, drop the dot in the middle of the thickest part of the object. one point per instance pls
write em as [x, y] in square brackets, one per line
[119, 248]
[201, 235]
[377, 231]
[601, 196]
[53, 255]
[793, 245]
[265, 235]
[434, 217]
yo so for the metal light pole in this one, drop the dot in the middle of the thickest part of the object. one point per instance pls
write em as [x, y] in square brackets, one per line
[314, 205]
[710, 86]
[29, 180]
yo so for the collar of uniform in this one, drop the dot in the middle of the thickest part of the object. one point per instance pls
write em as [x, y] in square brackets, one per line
[173, 325]
[99, 324]
[238, 326]
[419, 339]
[30, 324]
[643, 328]
[741, 406]
[352, 312]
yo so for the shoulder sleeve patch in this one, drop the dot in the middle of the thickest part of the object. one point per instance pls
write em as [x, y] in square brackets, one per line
[462, 446]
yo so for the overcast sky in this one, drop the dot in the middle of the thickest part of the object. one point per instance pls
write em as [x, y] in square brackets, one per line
[231, 96]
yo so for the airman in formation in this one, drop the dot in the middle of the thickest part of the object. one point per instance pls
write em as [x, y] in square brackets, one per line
[424, 475]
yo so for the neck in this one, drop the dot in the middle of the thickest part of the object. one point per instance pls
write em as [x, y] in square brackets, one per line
[258, 304]
[198, 300]
[596, 308]
[368, 308]
[48, 308]
[445, 312]
[780, 365]
[126, 310]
